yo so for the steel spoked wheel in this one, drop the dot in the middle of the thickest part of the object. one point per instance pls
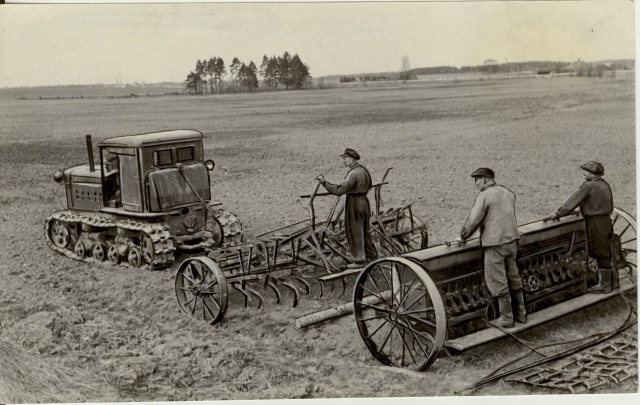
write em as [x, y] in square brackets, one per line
[59, 234]
[201, 289]
[147, 249]
[399, 313]
[134, 256]
[407, 230]
[79, 250]
[112, 254]
[624, 240]
[98, 252]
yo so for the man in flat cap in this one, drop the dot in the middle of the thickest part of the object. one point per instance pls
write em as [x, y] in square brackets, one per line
[494, 212]
[595, 200]
[355, 185]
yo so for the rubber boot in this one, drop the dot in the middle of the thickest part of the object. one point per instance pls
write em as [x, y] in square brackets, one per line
[505, 320]
[604, 282]
[521, 310]
[615, 278]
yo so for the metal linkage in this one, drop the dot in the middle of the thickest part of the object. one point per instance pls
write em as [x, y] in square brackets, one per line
[613, 362]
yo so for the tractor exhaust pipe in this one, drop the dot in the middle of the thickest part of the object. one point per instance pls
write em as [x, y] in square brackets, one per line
[92, 166]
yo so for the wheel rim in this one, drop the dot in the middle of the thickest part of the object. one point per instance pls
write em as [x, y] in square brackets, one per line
[59, 234]
[399, 313]
[134, 257]
[215, 228]
[148, 252]
[201, 289]
[79, 249]
[98, 252]
[624, 240]
[112, 254]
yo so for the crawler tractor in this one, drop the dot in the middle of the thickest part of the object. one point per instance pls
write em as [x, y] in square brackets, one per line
[148, 199]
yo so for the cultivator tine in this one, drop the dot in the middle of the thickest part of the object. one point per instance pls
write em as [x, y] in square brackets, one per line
[344, 287]
[256, 294]
[307, 287]
[269, 283]
[239, 285]
[294, 289]
[321, 287]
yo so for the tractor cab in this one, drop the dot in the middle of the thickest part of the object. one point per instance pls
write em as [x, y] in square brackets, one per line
[155, 172]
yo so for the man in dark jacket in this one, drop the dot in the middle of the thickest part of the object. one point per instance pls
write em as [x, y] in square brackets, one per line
[596, 205]
[355, 185]
[494, 212]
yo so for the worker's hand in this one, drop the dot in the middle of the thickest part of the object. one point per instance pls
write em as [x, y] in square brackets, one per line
[554, 217]
[320, 179]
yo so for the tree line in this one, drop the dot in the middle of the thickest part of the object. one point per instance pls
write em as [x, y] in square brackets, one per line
[276, 72]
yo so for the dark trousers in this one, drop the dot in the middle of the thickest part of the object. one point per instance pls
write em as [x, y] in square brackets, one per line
[357, 213]
[599, 234]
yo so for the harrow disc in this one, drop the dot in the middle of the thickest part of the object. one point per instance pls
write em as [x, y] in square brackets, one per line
[399, 313]
[201, 289]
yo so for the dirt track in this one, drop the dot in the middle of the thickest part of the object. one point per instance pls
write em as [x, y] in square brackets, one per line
[125, 325]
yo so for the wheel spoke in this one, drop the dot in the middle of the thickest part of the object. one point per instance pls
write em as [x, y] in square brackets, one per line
[418, 319]
[214, 301]
[417, 311]
[625, 230]
[187, 277]
[379, 295]
[631, 250]
[373, 317]
[405, 345]
[195, 305]
[364, 304]
[369, 336]
[627, 241]
[386, 279]
[204, 303]
[411, 287]
[417, 299]
[427, 337]
[386, 340]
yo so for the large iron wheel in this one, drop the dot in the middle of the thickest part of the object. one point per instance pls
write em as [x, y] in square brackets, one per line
[399, 313]
[59, 233]
[624, 240]
[201, 289]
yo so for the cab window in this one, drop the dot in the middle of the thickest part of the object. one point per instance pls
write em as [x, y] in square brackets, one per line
[162, 157]
[185, 154]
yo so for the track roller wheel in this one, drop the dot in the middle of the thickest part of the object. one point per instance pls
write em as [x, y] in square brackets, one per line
[147, 249]
[79, 250]
[201, 289]
[134, 256]
[112, 254]
[59, 233]
[98, 252]
[399, 313]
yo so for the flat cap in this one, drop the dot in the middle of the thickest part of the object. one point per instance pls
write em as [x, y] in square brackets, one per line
[593, 167]
[483, 172]
[351, 153]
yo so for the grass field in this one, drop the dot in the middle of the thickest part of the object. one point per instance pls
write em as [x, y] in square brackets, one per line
[125, 328]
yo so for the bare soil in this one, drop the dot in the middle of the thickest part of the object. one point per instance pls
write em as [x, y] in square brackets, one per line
[124, 327]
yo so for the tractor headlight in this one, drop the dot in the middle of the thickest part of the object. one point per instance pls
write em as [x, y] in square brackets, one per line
[210, 164]
[58, 176]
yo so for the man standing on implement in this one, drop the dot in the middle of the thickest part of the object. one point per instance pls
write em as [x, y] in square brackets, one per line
[355, 185]
[494, 212]
[596, 205]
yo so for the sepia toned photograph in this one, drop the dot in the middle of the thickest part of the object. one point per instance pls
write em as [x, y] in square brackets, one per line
[378, 202]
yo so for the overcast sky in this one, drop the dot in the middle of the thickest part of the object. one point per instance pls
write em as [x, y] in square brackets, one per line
[83, 44]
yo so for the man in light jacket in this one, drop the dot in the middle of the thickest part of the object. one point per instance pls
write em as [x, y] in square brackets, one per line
[494, 212]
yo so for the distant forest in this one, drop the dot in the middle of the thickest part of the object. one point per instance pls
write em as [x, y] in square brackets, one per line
[491, 66]
[285, 72]
[579, 68]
